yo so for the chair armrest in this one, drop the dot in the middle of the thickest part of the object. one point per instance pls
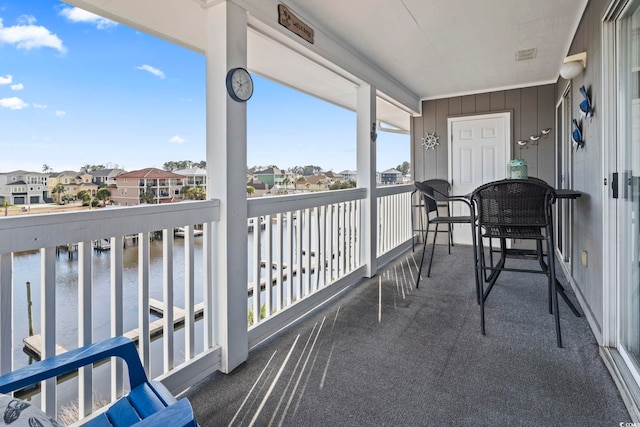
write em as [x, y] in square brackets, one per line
[466, 200]
[180, 414]
[70, 361]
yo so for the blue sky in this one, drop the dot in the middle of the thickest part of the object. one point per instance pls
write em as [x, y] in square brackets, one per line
[77, 89]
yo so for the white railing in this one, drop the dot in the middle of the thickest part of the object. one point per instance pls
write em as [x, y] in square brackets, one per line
[76, 308]
[311, 243]
[394, 218]
[327, 228]
[298, 246]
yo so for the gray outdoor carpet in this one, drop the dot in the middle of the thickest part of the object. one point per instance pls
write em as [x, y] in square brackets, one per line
[387, 354]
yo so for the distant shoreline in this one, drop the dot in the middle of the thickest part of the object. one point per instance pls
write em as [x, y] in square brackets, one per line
[42, 208]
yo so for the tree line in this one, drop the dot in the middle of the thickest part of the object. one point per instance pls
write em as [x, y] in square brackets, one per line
[170, 166]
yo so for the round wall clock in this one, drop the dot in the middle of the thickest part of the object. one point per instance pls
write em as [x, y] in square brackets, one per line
[239, 84]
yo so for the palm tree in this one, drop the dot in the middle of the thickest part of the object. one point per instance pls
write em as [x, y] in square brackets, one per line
[59, 190]
[46, 168]
[250, 190]
[147, 197]
[103, 194]
[85, 196]
[196, 193]
[300, 180]
[320, 183]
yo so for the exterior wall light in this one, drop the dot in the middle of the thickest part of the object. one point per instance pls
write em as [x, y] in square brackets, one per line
[573, 65]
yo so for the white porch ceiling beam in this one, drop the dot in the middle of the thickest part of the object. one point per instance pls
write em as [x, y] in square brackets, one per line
[327, 51]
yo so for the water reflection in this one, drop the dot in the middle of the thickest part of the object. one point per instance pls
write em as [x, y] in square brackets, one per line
[26, 267]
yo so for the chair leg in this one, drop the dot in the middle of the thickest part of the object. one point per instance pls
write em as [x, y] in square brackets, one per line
[433, 249]
[545, 268]
[424, 249]
[554, 290]
[476, 261]
[486, 278]
[481, 284]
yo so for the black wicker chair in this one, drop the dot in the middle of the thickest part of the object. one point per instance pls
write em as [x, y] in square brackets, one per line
[442, 191]
[516, 209]
[432, 198]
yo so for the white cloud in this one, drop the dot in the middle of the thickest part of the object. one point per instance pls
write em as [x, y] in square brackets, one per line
[6, 80]
[75, 14]
[39, 106]
[60, 113]
[151, 70]
[30, 37]
[178, 140]
[13, 103]
[18, 86]
[26, 19]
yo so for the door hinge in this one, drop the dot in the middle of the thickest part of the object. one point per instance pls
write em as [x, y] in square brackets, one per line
[614, 185]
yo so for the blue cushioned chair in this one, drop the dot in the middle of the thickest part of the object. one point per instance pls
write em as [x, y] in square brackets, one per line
[148, 403]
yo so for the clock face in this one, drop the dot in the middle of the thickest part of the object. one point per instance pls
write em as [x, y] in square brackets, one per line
[239, 84]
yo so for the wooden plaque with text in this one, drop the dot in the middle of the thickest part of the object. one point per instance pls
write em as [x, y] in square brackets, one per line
[293, 24]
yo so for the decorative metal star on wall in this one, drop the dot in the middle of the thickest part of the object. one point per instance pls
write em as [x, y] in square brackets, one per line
[430, 140]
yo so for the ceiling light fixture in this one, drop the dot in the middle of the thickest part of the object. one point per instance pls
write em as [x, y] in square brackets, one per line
[573, 65]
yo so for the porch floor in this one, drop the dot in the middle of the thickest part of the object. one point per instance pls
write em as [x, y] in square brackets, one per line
[386, 354]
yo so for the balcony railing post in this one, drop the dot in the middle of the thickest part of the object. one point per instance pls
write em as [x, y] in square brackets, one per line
[226, 48]
[366, 157]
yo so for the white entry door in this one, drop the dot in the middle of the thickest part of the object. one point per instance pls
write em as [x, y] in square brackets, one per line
[479, 152]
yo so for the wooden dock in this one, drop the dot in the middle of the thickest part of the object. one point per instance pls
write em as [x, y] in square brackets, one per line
[33, 344]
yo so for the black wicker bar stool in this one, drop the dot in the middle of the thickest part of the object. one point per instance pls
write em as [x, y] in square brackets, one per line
[516, 209]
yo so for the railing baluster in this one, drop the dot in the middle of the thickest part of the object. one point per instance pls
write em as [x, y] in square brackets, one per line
[143, 299]
[358, 234]
[352, 236]
[307, 251]
[280, 261]
[256, 270]
[300, 227]
[48, 323]
[6, 313]
[343, 239]
[290, 226]
[167, 297]
[85, 326]
[117, 321]
[314, 253]
[268, 266]
[189, 279]
[335, 242]
[321, 277]
[207, 282]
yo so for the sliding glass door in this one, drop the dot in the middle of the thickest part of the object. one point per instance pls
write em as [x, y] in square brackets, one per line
[628, 54]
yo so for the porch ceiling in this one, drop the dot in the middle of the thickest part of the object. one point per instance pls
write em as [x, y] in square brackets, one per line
[411, 49]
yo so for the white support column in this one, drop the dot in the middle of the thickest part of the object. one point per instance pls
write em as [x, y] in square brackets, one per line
[227, 158]
[366, 148]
